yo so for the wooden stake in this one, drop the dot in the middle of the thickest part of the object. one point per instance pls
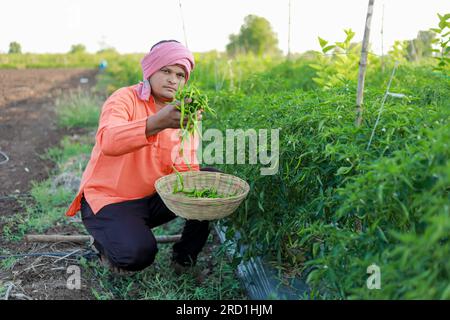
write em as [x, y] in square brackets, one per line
[289, 32]
[184, 28]
[382, 40]
[85, 238]
[363, 65]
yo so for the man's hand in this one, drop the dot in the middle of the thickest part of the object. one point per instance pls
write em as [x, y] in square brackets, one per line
[167, 117]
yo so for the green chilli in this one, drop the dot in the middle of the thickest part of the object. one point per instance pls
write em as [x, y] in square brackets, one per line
[194, 193]
[190, 110]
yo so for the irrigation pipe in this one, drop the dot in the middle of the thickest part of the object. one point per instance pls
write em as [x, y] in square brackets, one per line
[5, 156]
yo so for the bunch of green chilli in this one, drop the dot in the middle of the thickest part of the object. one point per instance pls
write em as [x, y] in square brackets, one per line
[190, 110]
[199, 102]
[194, 193]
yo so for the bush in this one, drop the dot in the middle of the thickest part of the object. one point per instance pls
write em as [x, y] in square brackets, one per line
[338, 205]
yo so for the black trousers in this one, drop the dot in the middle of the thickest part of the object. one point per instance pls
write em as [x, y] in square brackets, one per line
[122, 232]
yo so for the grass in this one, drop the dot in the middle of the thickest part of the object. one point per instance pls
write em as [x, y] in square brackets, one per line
[52, 60]
[44, 210]
[2, 289]
[160, 282]
[8, 263]
[78, 109]
[48, 201]
[68, 150]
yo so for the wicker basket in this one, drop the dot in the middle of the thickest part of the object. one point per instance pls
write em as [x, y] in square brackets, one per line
[203, 208]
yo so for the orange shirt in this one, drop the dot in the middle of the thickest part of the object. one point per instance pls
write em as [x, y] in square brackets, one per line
[124, 163]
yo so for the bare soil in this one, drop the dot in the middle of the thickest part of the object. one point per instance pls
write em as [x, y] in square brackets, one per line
[27, 128]
[28, 124]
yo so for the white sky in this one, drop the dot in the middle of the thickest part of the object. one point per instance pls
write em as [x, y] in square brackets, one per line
[135, 25]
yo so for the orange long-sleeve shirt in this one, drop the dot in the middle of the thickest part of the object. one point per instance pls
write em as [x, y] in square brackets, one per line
[124, 163]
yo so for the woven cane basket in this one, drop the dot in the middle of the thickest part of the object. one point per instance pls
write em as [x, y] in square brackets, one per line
[233, 188]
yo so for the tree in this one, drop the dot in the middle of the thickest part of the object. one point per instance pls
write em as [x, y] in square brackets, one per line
[442, 40]
[256, 36]
[109, 50]
[420, 47]
[14, 47]
[398, 51]
[77, 48]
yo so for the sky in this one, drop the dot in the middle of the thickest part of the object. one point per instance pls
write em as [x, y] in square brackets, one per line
[135, 25]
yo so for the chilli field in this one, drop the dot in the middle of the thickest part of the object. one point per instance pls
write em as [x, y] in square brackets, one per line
[346, 198]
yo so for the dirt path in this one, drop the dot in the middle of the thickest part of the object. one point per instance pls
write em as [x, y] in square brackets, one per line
[28, 125]
[27, 128]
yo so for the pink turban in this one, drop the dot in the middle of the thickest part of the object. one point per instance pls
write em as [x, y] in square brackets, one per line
[163, 54]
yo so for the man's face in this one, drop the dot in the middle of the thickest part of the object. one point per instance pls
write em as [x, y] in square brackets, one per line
[165, 82]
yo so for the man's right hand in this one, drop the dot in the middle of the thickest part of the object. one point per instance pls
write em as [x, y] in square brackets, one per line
[168, 117]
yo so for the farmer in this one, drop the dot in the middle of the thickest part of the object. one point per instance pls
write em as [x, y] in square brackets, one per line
[138, 142]
[102, 65]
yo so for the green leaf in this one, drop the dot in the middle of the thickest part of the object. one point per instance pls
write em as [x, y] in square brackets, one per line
[343, 170]
[319, 81]
[318, 66]
[436, 30]
[382, 235]
[404, 209]
[316, 248]
[380, 193]
[350, 34]
[328, 48]
[340, 45]
[322, 42]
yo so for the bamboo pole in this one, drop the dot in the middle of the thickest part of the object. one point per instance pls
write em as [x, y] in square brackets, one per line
[363, 65]
[84, 238]
[382, 40]
[289, 32]
[184, 28]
